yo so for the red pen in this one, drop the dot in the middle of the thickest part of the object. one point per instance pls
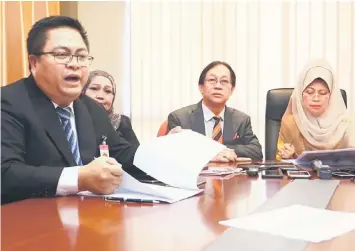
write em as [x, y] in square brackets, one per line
[104, 151]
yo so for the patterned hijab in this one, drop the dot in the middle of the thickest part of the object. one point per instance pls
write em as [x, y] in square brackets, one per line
[114, 117]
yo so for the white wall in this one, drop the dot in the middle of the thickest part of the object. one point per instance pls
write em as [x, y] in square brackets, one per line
[104, 22]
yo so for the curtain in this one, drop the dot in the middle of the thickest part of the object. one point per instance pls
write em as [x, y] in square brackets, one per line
[16, 19]
[267, 43]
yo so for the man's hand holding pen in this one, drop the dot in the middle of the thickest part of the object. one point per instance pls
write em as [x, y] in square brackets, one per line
[101, 176]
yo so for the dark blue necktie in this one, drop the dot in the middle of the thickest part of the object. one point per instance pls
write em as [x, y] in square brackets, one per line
[65, 115]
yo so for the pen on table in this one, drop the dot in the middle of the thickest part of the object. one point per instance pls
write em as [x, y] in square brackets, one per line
[114, 199]
[117, 199]
[141, 201]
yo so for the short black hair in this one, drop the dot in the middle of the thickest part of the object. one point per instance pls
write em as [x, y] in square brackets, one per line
[202, 78]
[37, 38]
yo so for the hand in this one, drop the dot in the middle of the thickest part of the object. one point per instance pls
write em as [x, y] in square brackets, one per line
[176, 129]
[287, 151]
[225, 156]
[101, 176]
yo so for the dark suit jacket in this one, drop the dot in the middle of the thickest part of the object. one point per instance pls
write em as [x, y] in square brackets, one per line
[235, 123]
[126, 129]
[34, 149]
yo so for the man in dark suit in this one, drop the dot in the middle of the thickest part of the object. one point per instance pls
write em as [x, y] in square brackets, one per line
[50, 135]
[211, 116]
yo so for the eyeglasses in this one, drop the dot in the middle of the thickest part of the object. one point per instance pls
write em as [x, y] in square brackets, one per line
[316, 94]
[64, 58]
[214, 81]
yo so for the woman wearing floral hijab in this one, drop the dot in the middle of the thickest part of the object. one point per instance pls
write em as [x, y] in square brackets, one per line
[316, 117]
[102, 88]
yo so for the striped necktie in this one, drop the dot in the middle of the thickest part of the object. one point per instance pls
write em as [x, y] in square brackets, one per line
[217, 130]
[65, 115]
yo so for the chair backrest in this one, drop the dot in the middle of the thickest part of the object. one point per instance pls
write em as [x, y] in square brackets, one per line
[163, 130]
[276, 104]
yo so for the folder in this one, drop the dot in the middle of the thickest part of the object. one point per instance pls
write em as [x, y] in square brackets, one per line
[336, 159]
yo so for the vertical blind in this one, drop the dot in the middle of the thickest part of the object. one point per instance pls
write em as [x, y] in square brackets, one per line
[16, 19]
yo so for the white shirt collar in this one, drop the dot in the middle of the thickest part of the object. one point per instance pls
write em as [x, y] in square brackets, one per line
[208, 114]
[70, 106]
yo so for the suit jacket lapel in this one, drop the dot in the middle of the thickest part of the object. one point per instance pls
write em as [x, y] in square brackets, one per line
[228, 125]
[85, 130]
[48, 117]
[197, 119]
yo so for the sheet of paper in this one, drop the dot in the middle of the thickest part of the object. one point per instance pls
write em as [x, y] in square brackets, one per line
[133, 189]
[174, 194]
[297, 222]
[219, 171]
[291, 161]
[177, 159]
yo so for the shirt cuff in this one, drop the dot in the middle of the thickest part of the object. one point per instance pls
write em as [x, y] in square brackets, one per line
[68, 181]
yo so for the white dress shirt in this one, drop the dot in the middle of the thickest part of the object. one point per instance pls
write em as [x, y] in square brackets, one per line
[68, 180]
[209, 121]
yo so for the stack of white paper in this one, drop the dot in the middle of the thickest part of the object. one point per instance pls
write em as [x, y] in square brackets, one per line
[176, 160]
[298, 222]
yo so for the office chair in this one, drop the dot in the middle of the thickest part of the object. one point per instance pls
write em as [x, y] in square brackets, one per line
[163, 130]
[276, 104]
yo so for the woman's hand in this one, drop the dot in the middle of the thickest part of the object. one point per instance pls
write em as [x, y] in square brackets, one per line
[288, 151]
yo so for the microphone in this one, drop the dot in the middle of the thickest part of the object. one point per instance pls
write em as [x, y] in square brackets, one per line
[317, 164]
[323, 171]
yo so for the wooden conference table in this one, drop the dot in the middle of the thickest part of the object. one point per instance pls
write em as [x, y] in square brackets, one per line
[76, 223]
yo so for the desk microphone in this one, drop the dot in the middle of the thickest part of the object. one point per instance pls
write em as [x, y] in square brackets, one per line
[316, 164]
[324, 172]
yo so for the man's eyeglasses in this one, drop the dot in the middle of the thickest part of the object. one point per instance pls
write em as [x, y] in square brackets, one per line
[214, 81]
[64, 58]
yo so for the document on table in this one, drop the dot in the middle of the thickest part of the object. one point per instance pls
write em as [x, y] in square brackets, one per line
[220, 171]
[177, 159]
[291, 161]
[130, 188]
[297, 222]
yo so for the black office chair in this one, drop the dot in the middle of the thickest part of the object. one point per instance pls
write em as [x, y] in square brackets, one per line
[276, 104]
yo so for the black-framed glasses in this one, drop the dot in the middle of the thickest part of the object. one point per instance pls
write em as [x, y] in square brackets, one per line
[65, 58]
